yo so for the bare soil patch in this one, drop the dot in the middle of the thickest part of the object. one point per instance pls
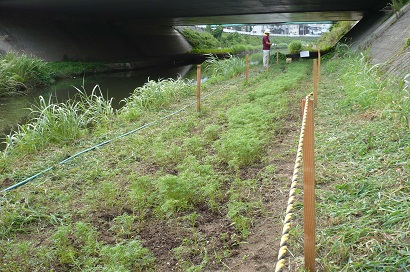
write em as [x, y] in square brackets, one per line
[259, 252]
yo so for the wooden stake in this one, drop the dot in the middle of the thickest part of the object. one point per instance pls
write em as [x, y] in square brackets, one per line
[318, 65]
[247, 67]
[315, 81]
[198, 88]
[277, 56]
[309, 190]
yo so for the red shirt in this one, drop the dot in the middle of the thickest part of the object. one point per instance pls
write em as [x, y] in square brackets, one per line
[266, 42]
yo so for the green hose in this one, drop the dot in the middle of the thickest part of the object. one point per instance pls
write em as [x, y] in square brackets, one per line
[98, 145]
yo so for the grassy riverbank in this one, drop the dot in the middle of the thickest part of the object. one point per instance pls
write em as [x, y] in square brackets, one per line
[207, 191]
[362, 170]
[20, 73]
[207, 42]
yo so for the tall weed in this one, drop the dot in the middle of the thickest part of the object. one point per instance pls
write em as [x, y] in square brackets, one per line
[154, 95]
[363, 185]
[331, 38]
[224, 68]
[94, 107]
[57, 123]
[61, 122]
[10, 84]
[366, 89]
[17, 71]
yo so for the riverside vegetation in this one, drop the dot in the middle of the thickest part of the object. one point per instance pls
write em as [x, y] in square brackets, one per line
[20, 73]
[189, 191]
[214, 42]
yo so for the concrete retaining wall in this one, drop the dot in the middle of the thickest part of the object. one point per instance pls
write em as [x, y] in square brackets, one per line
[54, 40]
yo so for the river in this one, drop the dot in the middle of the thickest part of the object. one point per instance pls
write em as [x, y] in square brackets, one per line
[118, 86]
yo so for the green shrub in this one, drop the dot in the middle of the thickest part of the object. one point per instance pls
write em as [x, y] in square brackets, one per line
[19, 72]
[237, 48]
[396, 5]
[282, 45]
[331, 38]
[237, 213]
[175, 195]
[211, 132]
[141, 195]
[295, 47]
[200, 40]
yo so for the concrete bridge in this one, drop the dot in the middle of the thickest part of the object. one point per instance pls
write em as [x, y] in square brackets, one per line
[137, 30]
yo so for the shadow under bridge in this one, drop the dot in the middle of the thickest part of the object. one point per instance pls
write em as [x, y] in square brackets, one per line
[139, 30]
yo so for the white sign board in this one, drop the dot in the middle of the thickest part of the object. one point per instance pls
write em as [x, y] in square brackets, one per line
[304, 54]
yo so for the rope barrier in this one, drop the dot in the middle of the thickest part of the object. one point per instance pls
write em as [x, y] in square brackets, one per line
[104, 143]
[280, 264]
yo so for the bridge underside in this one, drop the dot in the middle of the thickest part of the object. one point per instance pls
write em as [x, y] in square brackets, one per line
[53, 40]
[128, 30]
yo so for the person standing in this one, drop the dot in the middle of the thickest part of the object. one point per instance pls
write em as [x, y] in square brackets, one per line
[266, 48]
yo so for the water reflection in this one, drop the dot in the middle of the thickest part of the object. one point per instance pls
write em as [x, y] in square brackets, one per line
[118, 86]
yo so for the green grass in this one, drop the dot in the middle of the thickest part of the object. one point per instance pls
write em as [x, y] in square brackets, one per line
[189, 190]
[224, 68]
[330, 39]
[362, 170]
[155, 95]
[369, 209]
[60, 122]
[396, 5]
[66, 69]
[204, 42]
[92, 211]
[20, 73]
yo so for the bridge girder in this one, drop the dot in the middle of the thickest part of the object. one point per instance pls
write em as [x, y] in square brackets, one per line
[182, 12]
[134, 30]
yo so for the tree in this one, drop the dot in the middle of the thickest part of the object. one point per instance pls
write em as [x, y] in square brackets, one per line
[217, 32]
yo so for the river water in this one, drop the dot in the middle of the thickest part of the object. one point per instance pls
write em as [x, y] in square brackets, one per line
[118, 86]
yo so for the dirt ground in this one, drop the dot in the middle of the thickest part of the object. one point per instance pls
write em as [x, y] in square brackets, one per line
[259, 251]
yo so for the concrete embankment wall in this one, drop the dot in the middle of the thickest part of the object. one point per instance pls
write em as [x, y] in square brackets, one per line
[385, 37]
[54, 40]
[389, 46]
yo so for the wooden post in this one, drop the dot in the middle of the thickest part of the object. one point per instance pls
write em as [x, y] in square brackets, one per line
[315, 81]
[309, 190]
[247, 67]
[318, 65]
[277, 55]
[198, 88]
